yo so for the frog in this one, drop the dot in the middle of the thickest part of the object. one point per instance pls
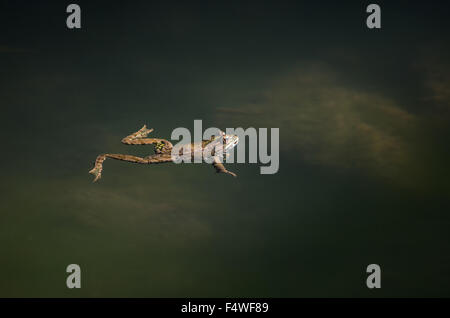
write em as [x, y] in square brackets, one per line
[163, 151]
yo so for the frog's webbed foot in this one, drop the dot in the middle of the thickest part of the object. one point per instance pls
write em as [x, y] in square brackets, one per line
[220, 168]
[140, 138]
[98, 166]
[97, 172]
[143, 132]
[140, 134]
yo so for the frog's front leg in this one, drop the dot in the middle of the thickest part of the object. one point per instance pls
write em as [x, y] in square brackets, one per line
[139, 138]
[220, 168]
[98, 167]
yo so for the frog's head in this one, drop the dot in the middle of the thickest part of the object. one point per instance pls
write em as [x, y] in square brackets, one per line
[229, 141]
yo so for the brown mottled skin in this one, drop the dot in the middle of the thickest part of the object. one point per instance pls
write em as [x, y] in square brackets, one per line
[163, 149]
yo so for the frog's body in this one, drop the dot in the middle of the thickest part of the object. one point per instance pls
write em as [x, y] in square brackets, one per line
[163, 151]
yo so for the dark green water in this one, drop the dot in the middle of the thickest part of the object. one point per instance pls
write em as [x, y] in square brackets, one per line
[364, 127]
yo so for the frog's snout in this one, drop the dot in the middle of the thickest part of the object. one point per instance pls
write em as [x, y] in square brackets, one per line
[231, 142]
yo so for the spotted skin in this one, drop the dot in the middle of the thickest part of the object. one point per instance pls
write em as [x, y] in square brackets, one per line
[163, 152]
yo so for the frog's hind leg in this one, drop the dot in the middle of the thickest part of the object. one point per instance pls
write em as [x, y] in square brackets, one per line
[98, 167]
[139, 138]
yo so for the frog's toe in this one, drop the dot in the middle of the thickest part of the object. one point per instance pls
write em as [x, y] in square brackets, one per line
[97, 172]
[231, 173]
[143, 132]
